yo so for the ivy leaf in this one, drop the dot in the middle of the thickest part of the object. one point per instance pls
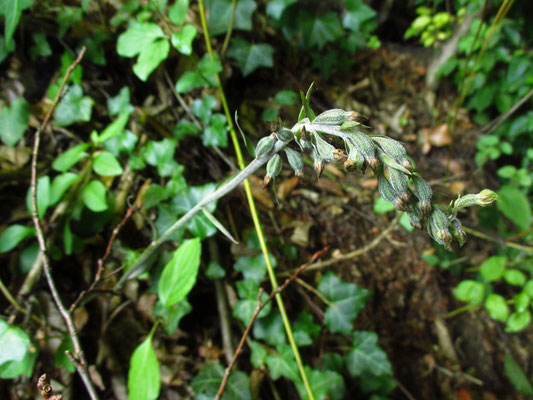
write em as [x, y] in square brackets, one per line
[317, 31]
[347, 301]
[207, 382]
[199, 225]
[41, 47]
[179, 275]
[250, 56]
[94, 196]
[171, 316]
[283, 364]
[73, 107]
[259, 354]
[515, 206]
[270, 329]
[254, 267]
[276, 7]
[178, 11]
[105, 164]
[324, 384]
[120, 103]
[248, 292]
[150, 58]
[203, 108]
[18, 354]
[214, 134]
[143, 375]
[70, 157]
[359, 18]
[12, 10]
[13, 235]
[286, 97]
[366, 355]
[182, 41]
[14, 121]
[305, 329]
[221, 11]
[204, 76]
[114, 128]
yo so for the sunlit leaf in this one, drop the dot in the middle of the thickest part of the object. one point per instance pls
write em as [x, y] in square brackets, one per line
[18, 354]
[143, 376]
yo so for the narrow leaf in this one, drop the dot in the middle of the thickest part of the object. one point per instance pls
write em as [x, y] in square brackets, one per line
[218, 224]
[143, 376]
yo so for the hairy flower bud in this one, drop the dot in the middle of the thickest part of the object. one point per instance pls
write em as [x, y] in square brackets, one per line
[335, 116]
[424, 193]
[323, 148]
[394, 149]
[273, 168]
[457, 231]
[295, 160]
[365, 145]
[399, 182]
[483, 198]
[319, 163]
[265, 146]
[438, 228]
[284, 134]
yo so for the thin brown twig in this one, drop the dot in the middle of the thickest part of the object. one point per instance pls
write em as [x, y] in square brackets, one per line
[98, 275]
[81, 365]
[260, 306]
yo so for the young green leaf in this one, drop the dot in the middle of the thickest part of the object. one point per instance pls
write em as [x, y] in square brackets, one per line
[178, 11]
[305, 329]
[205, 76]
[14, 121]
[470, 292]
[60, 185]
[518, 321]
[43, 196]
[275, 8]
[324, 384]
[283, 364]
[70, 157]
[497, 307]
[18, 354]
[137, 38]
[182, 40]
[143, 375]
[150, 58]
[286, 98]
[514, 277]
[270, 329]
[254, 267]
[215, 134]
[248, 292]
[493, 268]
[114, 128]
[199, 226]
[105, 164]
[94, 196]
[318, 30]
[250, 56]
[73, 107]
[13, 235]
[120, 103]
[347, 301]
[60, 358]
[515, 205]
[517, 376]
[12, 10]
[367, 356]
[179, 275]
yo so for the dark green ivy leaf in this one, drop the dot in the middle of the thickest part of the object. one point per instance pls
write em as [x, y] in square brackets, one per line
[250, 56]
[366, 355]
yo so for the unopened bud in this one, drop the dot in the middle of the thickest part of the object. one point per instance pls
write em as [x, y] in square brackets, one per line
[399, 182]
[415, 217]
[273, 168]
[265, 146]
[424, 193]
[483, 198]
[438, 227]
[365, 145]
[295, 160]
[323, 148]
[457, 231]
[331, 117]
[319, 164]
[385, 189]
[339, 155]
[284, 134]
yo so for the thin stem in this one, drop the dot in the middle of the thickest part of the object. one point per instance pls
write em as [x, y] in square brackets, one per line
[461, 310]
[260, 306]
[253, 211]
[81, 364]
[230, 29]
[482, 235]
[10, 298]
[141, 263]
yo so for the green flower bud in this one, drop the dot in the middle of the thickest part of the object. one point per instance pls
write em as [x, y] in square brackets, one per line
[365, 145]
[394, 149]
[438, 228]
[415, 217]
[483, 198]
[323, 148]
[284, 134]
[355, 161]
[457, 231]
[424, 193]
[295, 160]
[265, 146]
[399, 182]
[319, 163]
[331, 117]
[391, 162]
[273, 168]
[388, 193]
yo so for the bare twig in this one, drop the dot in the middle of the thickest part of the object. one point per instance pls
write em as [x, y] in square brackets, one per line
[491, 126]
[98, 275]
[260, 306]
[43, 384]
[356, 253]
[81, 365]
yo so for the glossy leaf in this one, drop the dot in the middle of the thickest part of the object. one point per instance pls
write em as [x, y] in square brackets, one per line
[137, 38]
[305, 329]
[43, 196]
[178, 11]
[12, 10]
[70, 157]
[18, 354]
[143, 376]
[94, 196]
[150, 58]
[514, 277]
[14, 121]
[367, 356]
[319, 30]
[250, 56]
[114, 128]
[60, 358]
[204, 76]
[73, 107]
[286, 98]
[275, 8]
[347, 301]
[120, 103]
[13, 235]
[179, 275]
[182, 40]
[105, 164]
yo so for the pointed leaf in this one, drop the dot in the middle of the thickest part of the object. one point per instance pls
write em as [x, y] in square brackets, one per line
[94, 196]
[150, 57]
[179, 275]
[182, 40]
[218, 224]
[70, 157]
[366, 355]
[143, 376]
[18, 354]
[13, 235]
[14, 121]
[250, 56]
[207, 382]
[105, 164]
[221, 11]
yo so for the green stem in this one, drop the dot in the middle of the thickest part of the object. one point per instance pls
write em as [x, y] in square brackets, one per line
[461, 310]
[10, 298]
[230, 29]
[255, 216]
